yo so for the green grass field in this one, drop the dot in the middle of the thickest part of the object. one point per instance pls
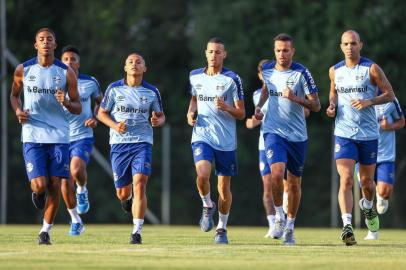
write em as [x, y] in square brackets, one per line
[186, 247]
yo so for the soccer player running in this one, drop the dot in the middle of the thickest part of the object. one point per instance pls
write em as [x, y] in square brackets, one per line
[390, 118]
[81, 140]
[126, 109]
[289, 88]
[264, 167]
[353, 91]
[45, 81]
[217, 101]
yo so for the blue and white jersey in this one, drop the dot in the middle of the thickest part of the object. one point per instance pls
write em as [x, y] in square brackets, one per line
[392, 112]
[47, 121]
[89, 89]
[255, 98]
[132, 105]
[284, 117]
[213, 126]
[354, 83]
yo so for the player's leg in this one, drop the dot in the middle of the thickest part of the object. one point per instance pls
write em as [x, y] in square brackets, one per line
[68, 195]
[276, 154]
[141, 170]
[267, 197]
[80, 155]
[203, 156]
[224, 205]
[121, 158]
[345, 168]
[226, 167]
[346, 154]
[384, 188]
[139, 206]
[296, 159]
[35, 158]
[294, 196]
[367, 164]
[285, 195]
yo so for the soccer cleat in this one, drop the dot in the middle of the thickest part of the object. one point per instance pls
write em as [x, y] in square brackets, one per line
[288, 237]
[135, 239]
[277, 231]
[76, 229]
[372, 236]
[206, 221]
[381, 204]
[127, 205]
[221, 236]
[371, 217]
[44, 239]
[82, 202]
[39, 200]
[347, 235]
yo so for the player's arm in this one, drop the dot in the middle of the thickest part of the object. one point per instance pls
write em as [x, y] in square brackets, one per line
[333, 98]
[398, 124]
[192, 111]
[157, 119]
[252, 122]
[104, 116]
[73, 105]
[312, 101]
[262, 99]
[379, 79]
[237, 111]
[15, 99]
[92, 122]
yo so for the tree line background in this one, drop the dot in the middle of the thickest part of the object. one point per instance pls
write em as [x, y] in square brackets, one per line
[172, 35]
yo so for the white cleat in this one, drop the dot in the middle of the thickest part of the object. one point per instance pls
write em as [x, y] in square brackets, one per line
[277, 231]
[381, 204]
[372, 236]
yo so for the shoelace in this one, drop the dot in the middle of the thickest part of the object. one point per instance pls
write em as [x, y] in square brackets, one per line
[82, 198]
[370, 213]
[206, 211]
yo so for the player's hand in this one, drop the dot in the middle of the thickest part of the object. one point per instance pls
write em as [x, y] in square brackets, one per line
[249, 123]
[258, 114]
[360, 104]
[220, 104]
[385, 124]
[121, 127]
[22, 116]
[91, 122]
[288, 93]
[155, 120]
[60, 97]
[331, 110]
[191, 118]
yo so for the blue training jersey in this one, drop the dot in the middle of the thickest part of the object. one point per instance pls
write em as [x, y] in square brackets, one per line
[284, 117]
[89, 89]
[392, 112]
[354, 83]
[134, 106]
[213, 126]
[255, 98]
[47, 122]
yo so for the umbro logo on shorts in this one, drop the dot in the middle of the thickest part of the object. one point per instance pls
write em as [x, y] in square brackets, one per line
[337, 148]
[269, 153]
[198, 151]
[30, 167]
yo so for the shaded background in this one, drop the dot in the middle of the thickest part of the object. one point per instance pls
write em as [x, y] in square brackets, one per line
[172, 35]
